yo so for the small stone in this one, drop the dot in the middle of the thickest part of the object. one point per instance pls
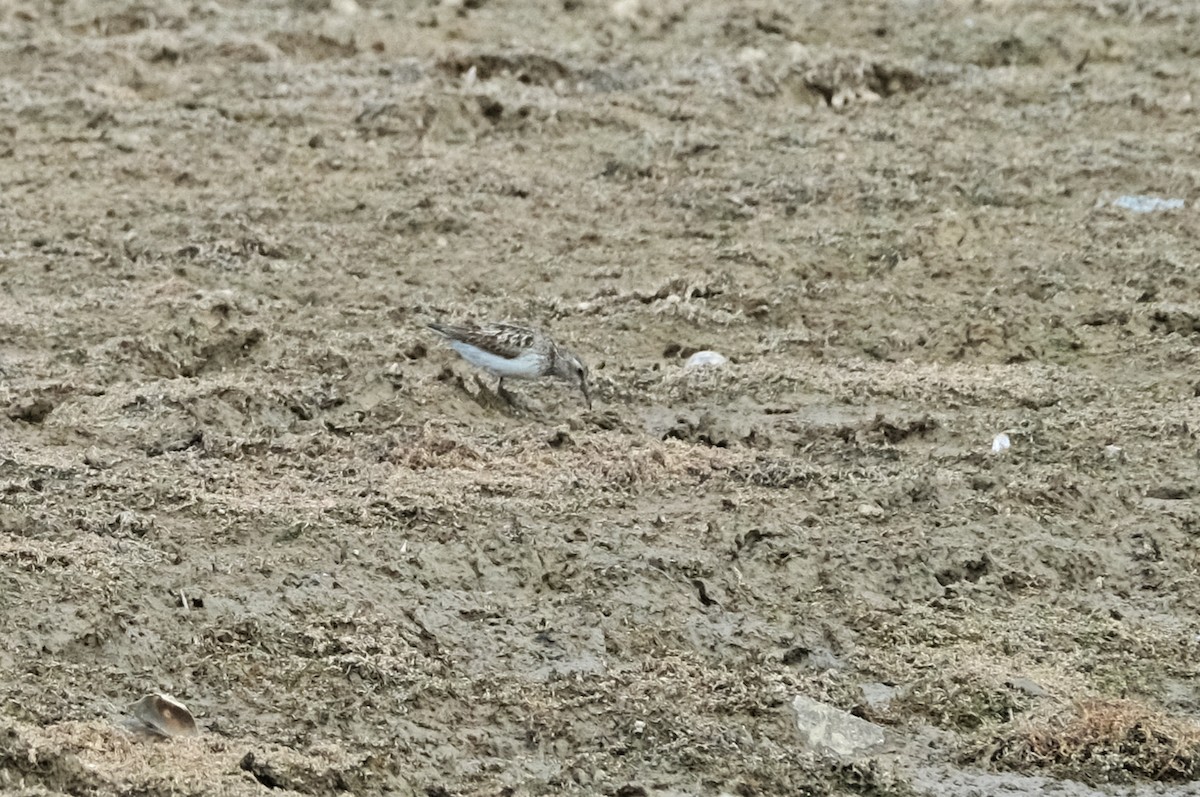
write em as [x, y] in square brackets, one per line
[1001, 443]
[162, 715]
[831, 730]
[1027, 686]
[94, 459]
[705, 359]
[877, 696]
[871, 510]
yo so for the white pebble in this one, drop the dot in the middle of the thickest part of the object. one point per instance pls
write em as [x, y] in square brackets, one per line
[703, 359]
[1001, 443]
[871, 510]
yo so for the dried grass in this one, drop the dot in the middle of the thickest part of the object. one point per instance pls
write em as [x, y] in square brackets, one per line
[1103, 741]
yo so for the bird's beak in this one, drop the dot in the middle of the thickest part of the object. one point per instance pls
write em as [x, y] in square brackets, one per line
[587, 397]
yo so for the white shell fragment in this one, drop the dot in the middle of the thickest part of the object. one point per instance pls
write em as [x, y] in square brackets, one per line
[163, 715]
[1146, 204]
[1001, 443]
[705, 359]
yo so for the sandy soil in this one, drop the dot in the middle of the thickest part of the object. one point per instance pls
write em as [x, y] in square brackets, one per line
[235, 467]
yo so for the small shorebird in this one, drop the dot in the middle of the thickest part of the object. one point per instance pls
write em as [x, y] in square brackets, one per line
[507, 350]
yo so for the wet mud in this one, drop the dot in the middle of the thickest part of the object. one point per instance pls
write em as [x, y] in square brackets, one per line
[236, 468]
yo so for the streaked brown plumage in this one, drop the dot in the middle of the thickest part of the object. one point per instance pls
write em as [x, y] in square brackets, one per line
[509, 350]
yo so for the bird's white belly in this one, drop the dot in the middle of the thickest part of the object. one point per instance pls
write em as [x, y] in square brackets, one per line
[527, 366]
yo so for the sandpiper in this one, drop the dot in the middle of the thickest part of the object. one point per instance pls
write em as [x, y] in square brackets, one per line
[508, 350]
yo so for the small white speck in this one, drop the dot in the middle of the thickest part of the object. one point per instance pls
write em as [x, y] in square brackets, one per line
[1001, 443]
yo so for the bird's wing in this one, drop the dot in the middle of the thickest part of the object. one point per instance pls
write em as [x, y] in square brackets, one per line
[503, 340]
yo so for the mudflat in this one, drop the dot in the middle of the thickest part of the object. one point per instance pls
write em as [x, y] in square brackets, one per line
[236, 468]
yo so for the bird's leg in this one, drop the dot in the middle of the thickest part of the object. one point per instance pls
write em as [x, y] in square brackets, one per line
[497, 396]
[513, 400]
[504, 394]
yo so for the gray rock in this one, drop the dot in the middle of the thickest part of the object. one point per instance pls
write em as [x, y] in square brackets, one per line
[831, 730]
[877, 696]
[1028, 686]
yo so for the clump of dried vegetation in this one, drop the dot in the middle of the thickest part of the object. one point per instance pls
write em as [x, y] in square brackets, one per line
[1102, 741]
[963, 701]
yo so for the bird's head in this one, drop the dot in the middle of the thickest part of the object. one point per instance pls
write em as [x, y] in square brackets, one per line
[568, 367]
